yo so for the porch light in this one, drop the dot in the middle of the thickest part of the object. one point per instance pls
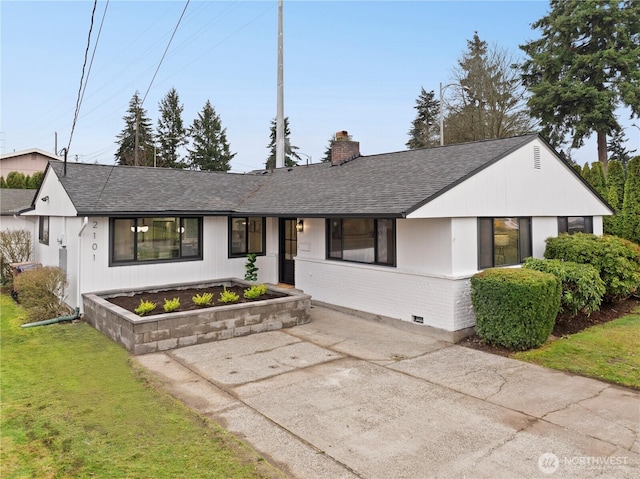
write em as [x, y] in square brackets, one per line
[300, 226]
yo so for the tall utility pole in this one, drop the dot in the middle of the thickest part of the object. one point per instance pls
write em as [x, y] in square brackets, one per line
[280, 114]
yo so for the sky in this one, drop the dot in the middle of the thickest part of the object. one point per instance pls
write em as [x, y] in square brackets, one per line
[348, 65]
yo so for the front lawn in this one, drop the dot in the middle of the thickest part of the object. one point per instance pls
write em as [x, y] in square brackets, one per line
[75, 405]
[610, 351]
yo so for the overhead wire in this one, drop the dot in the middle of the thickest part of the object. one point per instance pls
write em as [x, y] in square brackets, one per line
[165, 53]
[95, 47]
[84, 65]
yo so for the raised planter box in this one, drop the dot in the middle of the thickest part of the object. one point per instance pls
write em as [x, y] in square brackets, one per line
[161, 332]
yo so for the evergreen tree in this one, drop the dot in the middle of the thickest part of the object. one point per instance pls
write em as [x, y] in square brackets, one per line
[631, 203]
[584, 66]
[33, 181]
[211, 149]
[170, 131]
[617, 149]
[327, 151]
[425, 129]
[289, 150]
[489, 98]
[16, 180]
[615, 195]
[577, 168]
[596, 178]
[3, 183]
[136, 118]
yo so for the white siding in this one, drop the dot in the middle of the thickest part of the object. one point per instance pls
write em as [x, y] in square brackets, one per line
[96, 274]
[57, 201]
[513, 187]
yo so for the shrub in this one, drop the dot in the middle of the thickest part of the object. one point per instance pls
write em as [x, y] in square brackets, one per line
[616, 260]
[42, 292]
[144, 308]
[228, 296]
[15, 247]
[515, 308]
[251, 273]
[171, 304]
[582, 288]
[255, 291]
[204, 299]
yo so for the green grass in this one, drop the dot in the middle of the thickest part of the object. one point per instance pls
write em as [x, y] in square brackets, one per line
[609, 351]
[75, 405]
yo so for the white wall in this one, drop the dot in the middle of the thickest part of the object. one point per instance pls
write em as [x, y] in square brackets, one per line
[424, 245]
[385, 291]
[96, 275]
[9, 223]
[513, 187]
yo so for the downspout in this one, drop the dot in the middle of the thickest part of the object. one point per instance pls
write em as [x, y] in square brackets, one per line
[84, 225]
[72, 317]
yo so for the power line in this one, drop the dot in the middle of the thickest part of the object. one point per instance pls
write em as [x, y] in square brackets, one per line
[95, 47]
[165, 53]
[84, 64]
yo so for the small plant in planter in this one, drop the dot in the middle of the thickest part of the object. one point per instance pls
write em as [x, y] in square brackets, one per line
[204, 299]
[255, 291]
[228, 296]
[145, 307]
[251, 273]
[171, 304]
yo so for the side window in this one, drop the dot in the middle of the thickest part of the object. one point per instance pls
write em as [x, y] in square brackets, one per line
[43, 229]
[503, 241]
[247, 235]
[575, 224]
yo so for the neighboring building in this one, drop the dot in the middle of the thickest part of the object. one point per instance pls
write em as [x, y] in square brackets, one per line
[27, 162]
[396, 235]
[12, 203]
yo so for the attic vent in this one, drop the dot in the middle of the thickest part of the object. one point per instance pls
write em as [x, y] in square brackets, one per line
[536, 157]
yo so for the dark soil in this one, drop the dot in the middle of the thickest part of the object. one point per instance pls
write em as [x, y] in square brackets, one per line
[186, 304]
[564, 325]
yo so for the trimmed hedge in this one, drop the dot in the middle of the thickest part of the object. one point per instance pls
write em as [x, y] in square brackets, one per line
[582, 287]
[515, 308]
[616, 260]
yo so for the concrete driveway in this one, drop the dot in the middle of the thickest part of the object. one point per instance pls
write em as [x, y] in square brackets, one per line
[344, 397]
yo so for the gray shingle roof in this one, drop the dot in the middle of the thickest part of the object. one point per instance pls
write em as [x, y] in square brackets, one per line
[14, 201]
[387, 184]
[391, 184]
[102, 189]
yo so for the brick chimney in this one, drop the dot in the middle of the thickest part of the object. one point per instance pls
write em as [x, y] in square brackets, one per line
[343, 149]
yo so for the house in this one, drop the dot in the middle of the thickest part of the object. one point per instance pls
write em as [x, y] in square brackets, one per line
[12, 203]
[26, 162]
[395, 235]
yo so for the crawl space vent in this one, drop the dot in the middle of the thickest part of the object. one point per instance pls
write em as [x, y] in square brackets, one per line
[417, 319]
[536, 157]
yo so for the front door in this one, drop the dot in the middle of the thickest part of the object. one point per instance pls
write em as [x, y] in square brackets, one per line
[288, 250]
